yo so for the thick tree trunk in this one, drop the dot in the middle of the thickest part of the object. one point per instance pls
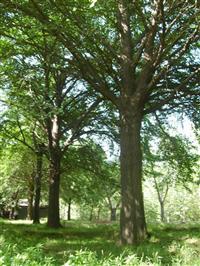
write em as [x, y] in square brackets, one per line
[38, 177]
[54, 189]
[113, 214]
[132, 218]
[69, 210]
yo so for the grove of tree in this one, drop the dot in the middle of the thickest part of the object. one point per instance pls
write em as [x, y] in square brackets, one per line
[80, 67]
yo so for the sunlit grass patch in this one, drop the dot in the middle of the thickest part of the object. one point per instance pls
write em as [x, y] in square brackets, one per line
[93, 244]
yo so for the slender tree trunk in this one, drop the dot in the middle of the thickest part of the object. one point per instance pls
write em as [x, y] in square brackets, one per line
[91, 214]
[113, 214]
[132, 218]
[30, 197]
[98, 213]
[38, 177]
[113, 210]
[69, 209]
[11, 213]
[30, 206]
[162, 212]
[161, 198]
[54, 191]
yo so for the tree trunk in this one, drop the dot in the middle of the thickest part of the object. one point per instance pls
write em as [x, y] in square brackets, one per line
[11, 213]
[161, 198]
[38, 177]
[91, 214]
[30, 206]
[132, 218]
[98, 213]
[69, 210]
[113, 214]
[30, 197]
[162, 212]
[54, 191]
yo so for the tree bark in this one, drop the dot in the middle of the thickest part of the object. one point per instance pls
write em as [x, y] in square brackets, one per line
[161, 198]
[132, 218]
[55, 155]
[11, 213]
[162, 212]
[38, 177]
[69, 209]
[113, 214]
[30, 204]
[30, 197]
[54, 191]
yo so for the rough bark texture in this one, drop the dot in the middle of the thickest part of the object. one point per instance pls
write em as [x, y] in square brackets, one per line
[132, 218]
[38, 177]
[55, 155]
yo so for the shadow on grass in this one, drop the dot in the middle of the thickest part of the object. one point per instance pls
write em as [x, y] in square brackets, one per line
[101, 239]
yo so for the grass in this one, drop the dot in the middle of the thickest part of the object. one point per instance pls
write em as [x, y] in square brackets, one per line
[79, 243]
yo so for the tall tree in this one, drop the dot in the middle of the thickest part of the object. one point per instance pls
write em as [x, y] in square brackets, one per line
[60, 107]
[141, 60]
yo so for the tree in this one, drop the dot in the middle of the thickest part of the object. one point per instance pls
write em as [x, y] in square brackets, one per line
[111, 186]
[169, 160]
[61, 110]
[16, 126]
[84, 175]
[142, 61]
[17, 177]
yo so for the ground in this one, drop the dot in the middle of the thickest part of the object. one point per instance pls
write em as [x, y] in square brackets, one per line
[92, 244]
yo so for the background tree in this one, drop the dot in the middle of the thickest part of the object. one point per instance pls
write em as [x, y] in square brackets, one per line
[59, 107]
[17, 178]
[84, 176]
[169, 160]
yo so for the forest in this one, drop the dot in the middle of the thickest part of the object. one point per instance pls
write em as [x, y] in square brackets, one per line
[99, 132]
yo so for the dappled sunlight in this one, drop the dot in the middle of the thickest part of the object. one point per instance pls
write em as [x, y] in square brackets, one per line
[99, 243]
[193, 241]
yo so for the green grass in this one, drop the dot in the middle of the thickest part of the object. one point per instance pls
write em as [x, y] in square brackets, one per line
[79, 243]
